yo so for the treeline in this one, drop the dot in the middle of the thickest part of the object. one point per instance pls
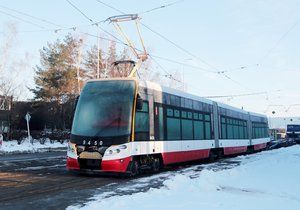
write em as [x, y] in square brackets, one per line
[65, 66]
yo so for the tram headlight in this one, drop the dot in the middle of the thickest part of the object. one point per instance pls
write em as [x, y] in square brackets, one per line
[80, 149]
[71, 148]
[116, 149]
[112, 151]
[123, 146]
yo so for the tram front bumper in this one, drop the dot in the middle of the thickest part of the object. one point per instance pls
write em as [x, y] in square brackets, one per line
[116, 165]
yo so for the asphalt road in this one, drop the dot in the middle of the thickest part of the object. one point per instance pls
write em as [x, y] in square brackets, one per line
[41, 181]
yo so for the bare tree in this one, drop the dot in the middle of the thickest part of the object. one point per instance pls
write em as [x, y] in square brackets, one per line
[11, 83]
[91, 63]
[174, 80]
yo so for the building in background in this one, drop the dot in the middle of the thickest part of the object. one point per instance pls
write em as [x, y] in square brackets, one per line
[277, 133]
[279, 126]
[282, 122]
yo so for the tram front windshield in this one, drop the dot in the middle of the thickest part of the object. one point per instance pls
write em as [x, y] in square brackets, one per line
[104, 109]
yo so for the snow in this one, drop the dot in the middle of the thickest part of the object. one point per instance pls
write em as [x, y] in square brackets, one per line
[27, 147]
[266, 180]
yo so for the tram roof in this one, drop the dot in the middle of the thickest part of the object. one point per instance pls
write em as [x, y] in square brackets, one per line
[158, 87]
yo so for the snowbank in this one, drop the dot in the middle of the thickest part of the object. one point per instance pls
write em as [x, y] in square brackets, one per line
[267, 180]
[27, 147]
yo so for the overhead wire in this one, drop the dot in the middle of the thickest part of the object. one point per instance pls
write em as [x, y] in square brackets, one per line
[21, 19]
[285, 107]
[177, 46]
[160, 7]
[107, 5]
[56, 30]
[151, 54]
[119, 41]
[238, 95]
[92, 21]
[163, 6]
[57, 26]
[31, 16]
[168, 74]
[113, 8]
[159, 34]
[270, 50]
[282, 37]
[81, 12]
[222, 73]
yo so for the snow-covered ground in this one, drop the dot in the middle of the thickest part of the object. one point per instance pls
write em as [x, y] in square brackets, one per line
[26, 146]
[266, 180]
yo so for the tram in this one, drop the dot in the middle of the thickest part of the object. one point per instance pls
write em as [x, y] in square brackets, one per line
[126, 126]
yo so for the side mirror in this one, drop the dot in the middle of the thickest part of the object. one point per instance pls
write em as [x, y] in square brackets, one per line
[139, 103]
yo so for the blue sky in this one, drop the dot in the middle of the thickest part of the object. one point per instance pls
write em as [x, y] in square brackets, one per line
[226, 34]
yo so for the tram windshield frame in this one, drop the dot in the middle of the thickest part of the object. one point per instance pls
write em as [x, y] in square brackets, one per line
[105, 109]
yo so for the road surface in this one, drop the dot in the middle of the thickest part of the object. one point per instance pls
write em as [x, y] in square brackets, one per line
[41, 181]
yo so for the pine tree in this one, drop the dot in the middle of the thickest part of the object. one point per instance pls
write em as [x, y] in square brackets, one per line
[56, 77]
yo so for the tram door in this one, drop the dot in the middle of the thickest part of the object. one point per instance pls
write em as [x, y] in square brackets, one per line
[158, 122]
[151, 148]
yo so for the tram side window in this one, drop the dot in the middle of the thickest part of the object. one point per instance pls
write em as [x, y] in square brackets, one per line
[160, 123]
[233, 128]
[245, 130]
[187, 125]
[198, 130]
[241, 130]
[207, 126]
[259, 130]
[223, 128]
[142, 123]
[202, 126]
[229, 129]
[173, 124]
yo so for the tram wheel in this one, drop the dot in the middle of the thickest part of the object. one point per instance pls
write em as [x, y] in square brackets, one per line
[212, 156]
[134, 168]
[156, 165]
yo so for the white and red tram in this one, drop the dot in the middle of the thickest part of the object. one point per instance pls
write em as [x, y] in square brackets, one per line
[121, 125]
